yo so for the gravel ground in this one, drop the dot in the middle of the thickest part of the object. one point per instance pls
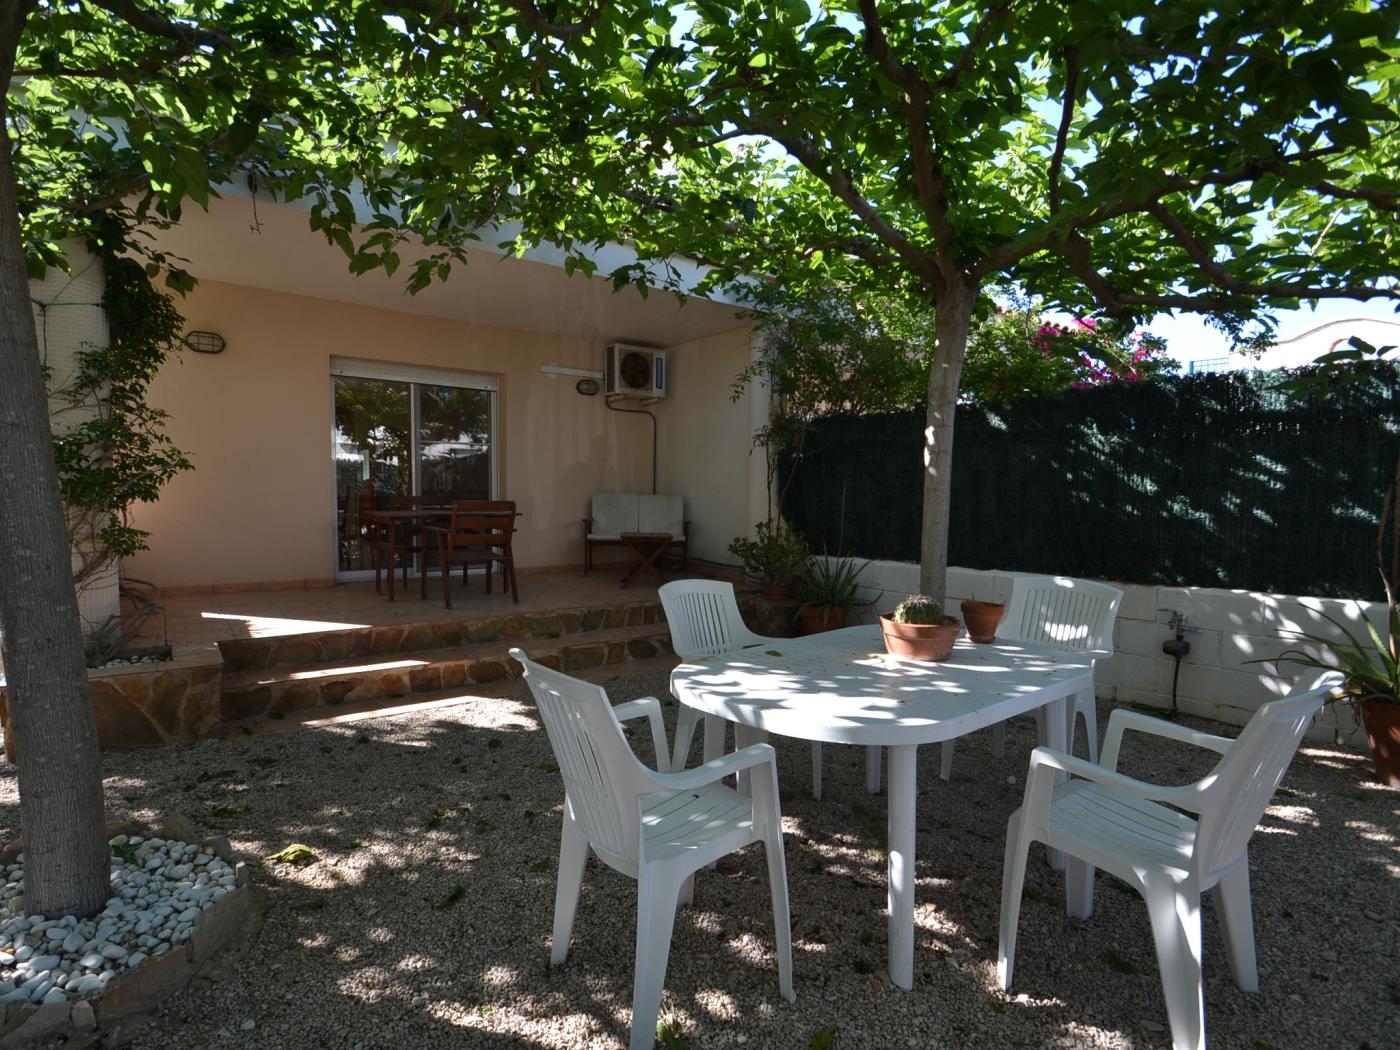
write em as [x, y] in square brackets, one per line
[426, 920]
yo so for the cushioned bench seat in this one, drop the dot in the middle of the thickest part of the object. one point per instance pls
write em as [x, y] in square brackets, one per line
[615, 513]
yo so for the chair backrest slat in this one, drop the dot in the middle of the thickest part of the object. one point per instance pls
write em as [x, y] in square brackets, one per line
[603, 779]
[1076, 615]
[704, 618]
[482, 523]
[1244, 780]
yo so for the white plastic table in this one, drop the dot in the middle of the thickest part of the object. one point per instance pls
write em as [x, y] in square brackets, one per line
[841, 687]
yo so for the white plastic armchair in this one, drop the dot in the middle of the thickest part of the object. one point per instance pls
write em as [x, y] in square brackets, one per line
[1069, 614]
[1136, 831]
[705, 622]
[655, 826]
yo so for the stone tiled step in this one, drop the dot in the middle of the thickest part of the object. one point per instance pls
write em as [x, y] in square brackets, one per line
[347, 713]
[298, 650]
[275, 691]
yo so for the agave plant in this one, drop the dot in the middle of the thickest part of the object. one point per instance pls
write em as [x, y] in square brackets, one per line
[833, 583]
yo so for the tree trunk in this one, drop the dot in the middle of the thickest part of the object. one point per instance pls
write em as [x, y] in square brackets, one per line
[952, 321]
[66, 856]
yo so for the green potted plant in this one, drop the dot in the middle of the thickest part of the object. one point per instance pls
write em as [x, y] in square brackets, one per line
[830, 589]
[1371, 664]
[774, 557]
[919, 630]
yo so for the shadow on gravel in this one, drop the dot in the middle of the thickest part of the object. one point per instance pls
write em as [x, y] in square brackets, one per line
[426, 919]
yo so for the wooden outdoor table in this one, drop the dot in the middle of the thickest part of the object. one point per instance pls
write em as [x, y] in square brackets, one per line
[841, 687]
[647, 546]
[423, 515]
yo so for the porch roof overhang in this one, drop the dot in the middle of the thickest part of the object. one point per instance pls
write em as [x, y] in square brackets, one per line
[269, 245]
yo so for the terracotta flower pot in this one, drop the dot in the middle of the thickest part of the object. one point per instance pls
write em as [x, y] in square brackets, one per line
[774, 592]
[1382, 722]
[920, 641]
[819, 618]
[982, 619]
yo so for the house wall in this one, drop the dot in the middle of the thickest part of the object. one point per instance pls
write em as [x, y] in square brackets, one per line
[1226, 629]
[256, 422]
[68, 319]
[705, 437]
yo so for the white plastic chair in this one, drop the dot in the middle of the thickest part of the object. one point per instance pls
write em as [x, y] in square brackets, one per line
[705, 621]
[1104, 819]
[1074, 615]
[653, 825]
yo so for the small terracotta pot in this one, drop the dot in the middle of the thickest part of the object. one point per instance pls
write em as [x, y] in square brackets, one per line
[819, 618]
[1382, 722]
[982, 619]
[920, 641]
[774, 592]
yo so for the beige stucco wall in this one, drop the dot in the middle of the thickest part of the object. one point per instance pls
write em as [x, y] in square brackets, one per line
[256, 422]
[705, 441]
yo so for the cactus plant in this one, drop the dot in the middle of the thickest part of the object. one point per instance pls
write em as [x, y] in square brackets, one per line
[919, 608]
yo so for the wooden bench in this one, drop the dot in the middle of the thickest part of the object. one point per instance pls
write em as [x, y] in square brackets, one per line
[614, 513]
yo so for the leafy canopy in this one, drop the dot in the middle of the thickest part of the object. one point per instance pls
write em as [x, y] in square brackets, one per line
[1125, 155]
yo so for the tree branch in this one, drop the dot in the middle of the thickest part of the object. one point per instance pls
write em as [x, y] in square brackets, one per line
[1057, 159]
[531, 16]
[922, 262]
[930, 183]
[974, 43]
[188, 36]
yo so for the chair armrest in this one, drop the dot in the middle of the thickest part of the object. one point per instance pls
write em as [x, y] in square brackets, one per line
[719, 768]
[1045, 763]
[1121, 720]
[650, 708]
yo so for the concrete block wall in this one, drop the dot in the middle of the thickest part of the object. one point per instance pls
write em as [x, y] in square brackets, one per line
[1228, 630]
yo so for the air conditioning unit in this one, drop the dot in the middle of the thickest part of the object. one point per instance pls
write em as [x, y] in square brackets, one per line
[635, 371]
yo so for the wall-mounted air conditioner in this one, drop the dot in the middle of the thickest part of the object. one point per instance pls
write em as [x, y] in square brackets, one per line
[635, 371]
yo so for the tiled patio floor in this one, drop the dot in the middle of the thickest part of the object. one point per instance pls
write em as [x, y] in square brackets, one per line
[196, 621]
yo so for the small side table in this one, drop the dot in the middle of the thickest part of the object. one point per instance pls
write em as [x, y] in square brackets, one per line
[648, 547]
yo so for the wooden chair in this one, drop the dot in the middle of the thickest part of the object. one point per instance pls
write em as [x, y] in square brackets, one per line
[479, 533]
[408, 534]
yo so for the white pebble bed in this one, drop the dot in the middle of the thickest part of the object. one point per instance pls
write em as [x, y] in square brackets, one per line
[159, 887]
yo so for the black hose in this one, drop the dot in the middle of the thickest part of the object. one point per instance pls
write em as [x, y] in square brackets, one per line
[652, 416]
[1175, 675]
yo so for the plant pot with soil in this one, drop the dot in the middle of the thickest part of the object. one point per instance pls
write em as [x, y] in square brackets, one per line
[982, 619]
[830, 590]
[774, 557]
[918, 630]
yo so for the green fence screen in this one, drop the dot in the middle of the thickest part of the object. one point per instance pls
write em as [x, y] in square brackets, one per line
[1203, 480]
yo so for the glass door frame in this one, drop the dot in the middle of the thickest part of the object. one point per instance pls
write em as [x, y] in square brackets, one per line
[354, 368]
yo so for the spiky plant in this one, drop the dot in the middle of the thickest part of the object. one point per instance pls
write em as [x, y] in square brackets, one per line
[920, 609]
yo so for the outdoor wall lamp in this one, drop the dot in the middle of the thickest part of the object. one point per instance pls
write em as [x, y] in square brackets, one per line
[205, 342]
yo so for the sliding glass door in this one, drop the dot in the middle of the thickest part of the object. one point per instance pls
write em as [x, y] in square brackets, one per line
[401, 433]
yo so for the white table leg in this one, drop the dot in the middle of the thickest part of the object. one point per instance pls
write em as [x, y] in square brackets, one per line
[902, 792]
[743, 737]
[686, 720]
[1053, 722]
[872, 770]
[714, 737]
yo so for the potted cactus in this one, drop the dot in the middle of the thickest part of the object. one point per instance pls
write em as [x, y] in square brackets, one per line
[919, 630]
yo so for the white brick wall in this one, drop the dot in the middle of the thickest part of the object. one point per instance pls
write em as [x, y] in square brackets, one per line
[1226, 629]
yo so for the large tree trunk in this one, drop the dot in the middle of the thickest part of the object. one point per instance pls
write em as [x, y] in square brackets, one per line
[952, 321]
[66, 856]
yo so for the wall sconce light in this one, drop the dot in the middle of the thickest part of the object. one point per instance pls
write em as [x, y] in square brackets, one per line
[205, 342]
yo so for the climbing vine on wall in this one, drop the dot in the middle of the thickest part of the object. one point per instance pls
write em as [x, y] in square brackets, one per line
[110, 444]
